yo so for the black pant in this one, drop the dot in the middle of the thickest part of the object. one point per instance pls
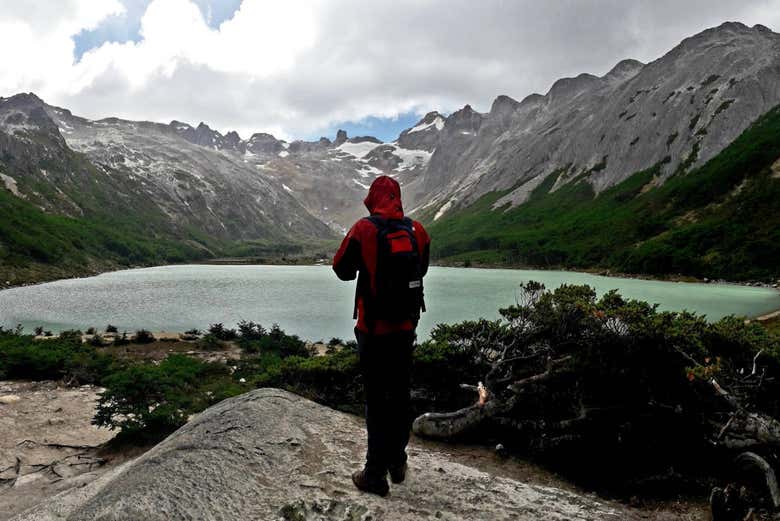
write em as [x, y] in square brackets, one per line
[386, 364]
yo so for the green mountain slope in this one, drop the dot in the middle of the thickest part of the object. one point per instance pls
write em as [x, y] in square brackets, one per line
[36, 246]
[721, 220]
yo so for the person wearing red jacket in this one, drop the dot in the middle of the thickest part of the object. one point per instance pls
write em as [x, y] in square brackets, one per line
[385, 339]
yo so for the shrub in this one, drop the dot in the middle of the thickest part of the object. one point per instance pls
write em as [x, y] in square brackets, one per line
[250, 331]
[210, 342]
[221, 332]
[39, 331]
[23, 357]
[333, 379]
[149, 401]
[72, 334]
[142, 336]
[276, 341]
[111, 329]
[121, 341]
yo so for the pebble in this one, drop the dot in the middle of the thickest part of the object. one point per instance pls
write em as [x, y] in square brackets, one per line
[8, 399]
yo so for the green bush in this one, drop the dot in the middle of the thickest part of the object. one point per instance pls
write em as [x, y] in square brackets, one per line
[149, 401]
[142, 336]
[221, 332]
[23, 357]
[276, 341]
[333, 379]
[210, 342]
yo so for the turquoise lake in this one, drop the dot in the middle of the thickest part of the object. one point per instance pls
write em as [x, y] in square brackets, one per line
[312, 303]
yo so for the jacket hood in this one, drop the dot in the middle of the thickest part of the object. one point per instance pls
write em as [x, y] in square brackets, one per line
[384, 198]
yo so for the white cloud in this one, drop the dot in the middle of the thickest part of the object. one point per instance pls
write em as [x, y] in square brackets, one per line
[35, 37]
[292, 67]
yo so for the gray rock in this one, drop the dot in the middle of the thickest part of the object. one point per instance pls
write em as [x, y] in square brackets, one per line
[341, 137]
[272, 455]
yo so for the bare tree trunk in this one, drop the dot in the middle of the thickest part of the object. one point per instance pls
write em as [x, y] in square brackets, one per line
[451, 424]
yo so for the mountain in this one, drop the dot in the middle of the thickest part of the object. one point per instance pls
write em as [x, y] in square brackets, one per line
[534, 182]
[501, 187]
[681, 109]
[82, 196]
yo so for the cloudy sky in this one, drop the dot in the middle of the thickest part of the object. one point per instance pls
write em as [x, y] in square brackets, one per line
[301, 69]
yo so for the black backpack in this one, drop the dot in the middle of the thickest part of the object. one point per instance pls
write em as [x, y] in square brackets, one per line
[399, 284]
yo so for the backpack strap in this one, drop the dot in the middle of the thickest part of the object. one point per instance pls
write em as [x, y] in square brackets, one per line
[379, 223]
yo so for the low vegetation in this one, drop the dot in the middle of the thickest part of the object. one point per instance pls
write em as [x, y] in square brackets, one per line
[718, 221]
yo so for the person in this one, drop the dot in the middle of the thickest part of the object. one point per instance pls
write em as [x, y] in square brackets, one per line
[389, 253]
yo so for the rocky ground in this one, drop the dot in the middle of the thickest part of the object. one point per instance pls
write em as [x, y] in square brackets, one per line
[268, 454]
[47, 443]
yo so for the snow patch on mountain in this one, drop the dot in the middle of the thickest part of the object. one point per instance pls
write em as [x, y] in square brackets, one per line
[10, 184]
[443, 209]
[411, 158]
[358, 150]
[438, 122]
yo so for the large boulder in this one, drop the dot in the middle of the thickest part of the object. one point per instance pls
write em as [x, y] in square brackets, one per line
[272, 455]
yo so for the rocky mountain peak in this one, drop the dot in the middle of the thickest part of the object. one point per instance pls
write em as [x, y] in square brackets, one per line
[22, 100]
[425, 134]
[624, 70]
[233, 141]
[25, 114]
[341, 137]
[429, 118]
[503, 105]
[465, 120]
[180, 126]
[731, 33]
[262, 143]
[532, 99]
[569, 88]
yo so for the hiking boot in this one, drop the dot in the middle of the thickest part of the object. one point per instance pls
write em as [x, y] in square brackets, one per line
[398, 473]
[370, 484]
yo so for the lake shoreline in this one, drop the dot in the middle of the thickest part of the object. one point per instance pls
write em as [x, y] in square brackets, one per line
[247, 262]
[618, 275]
[94, 272]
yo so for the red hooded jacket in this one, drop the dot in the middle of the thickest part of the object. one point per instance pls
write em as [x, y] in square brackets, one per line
[358, 251]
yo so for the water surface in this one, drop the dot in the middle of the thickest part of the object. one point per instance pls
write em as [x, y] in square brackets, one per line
[311, 302]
